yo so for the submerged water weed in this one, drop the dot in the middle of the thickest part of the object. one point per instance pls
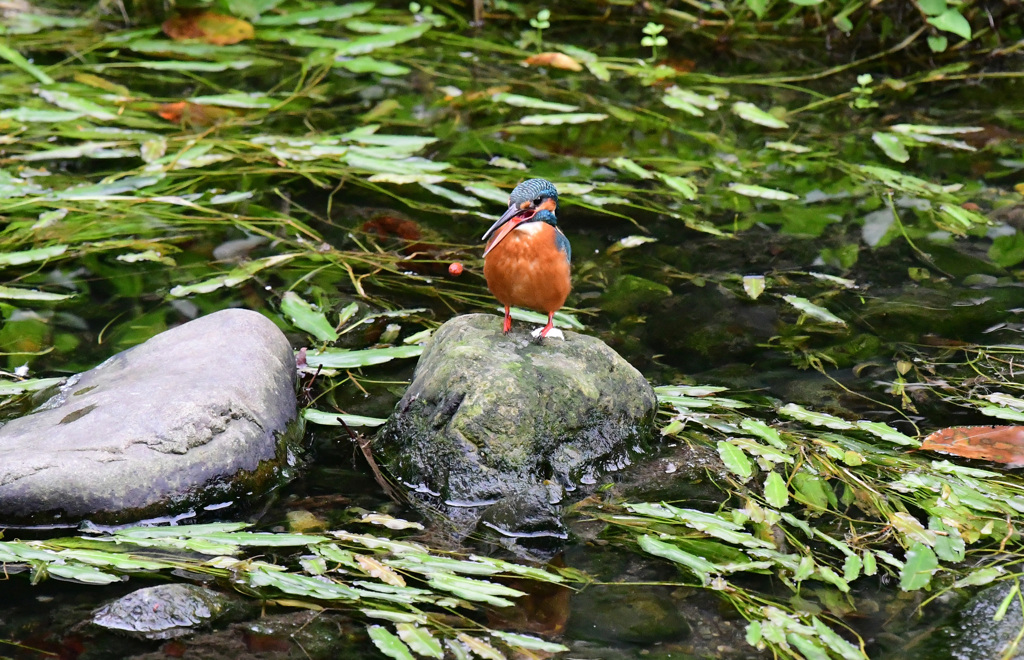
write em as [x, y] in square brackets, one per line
[426, 597]
[818, 499]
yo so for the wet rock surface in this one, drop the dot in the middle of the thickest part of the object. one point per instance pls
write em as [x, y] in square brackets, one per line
[976, 632]
[514, 423]
[192, 416]
[168, 610]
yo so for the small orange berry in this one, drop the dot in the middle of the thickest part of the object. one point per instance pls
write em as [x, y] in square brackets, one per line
[455, 269]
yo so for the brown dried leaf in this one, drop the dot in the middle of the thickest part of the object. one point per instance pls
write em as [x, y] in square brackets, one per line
[556, 60]
[211, 28]
[1000, 444]
[378, 570]
[193, 114]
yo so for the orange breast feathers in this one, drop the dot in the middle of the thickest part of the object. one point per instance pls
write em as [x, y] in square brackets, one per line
[526, 269]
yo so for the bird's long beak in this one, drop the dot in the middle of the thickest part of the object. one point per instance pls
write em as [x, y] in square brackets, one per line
[509, 213]
[509, 220]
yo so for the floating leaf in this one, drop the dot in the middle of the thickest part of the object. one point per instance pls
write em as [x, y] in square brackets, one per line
[392, 523]
[235, 100]
[528, 642]
[761, 191]
[177, 65]
[80, 573]
[86, 107]
[953, 21]
[910, 129]
[758, 7]
[735, 460]
[16, 58]
[24, 114]
[311, 16]
[787, 146]
[388, 644]
[813, 490]
[917, 571]
[690, 102]
[892, 146]
[29, 256]
[753, 285]
[911, 527]
[464, 201]
[193, 114]
[476, 590]
[701, 567]
[887, 433]
[980, 576]
[209, 27]
[531, 102]
[340, 358]
[1001, 444]
[949, 543]
[629, 242]
[368, 44]
[18, 293]
[800, 413]
[812, 310]
[775, 491]
[305, 317]
[382, 572]
[556, 60]
[756, 115]
[13, 387]
[680, 184]
[234, 278]
[363, 64]
[561, 118]
[420, 640]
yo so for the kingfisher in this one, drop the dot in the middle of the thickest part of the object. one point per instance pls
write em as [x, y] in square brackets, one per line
[526, 262]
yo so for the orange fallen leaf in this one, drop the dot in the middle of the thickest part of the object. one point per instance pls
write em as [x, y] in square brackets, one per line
[211, 28]
[193, 114]
[557, 60]
[1000, 444]
[681, 65]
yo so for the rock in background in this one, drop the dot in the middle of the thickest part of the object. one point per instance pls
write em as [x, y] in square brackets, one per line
[195, 415]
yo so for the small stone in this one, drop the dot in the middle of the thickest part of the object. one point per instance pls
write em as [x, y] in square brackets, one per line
[167, 611]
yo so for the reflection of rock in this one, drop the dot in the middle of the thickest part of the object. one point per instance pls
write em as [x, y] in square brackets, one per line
[192, 416]
[626, 614]
[975, 634]
[512, 422]
[166, 611]
[709, 326]
[303, 634]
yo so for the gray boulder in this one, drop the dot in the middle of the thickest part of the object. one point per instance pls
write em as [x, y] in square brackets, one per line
[499, 427]
[195, 415]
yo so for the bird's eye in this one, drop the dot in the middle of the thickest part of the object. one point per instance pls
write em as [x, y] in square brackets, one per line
[538, 200]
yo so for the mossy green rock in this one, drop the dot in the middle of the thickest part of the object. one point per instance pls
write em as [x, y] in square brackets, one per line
[511, 422]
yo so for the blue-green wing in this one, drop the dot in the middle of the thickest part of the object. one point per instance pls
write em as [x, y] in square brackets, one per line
[563, 244]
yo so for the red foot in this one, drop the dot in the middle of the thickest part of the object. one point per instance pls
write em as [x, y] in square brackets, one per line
[547, 328]
[508, 321]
